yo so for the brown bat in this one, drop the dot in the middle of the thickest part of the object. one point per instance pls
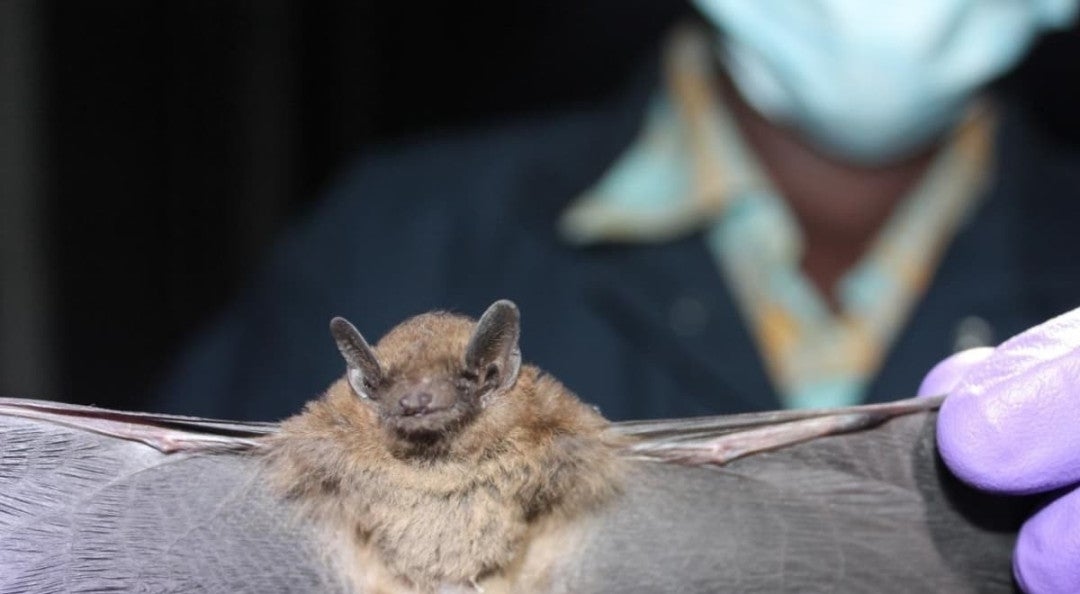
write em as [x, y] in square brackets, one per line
[441, 463]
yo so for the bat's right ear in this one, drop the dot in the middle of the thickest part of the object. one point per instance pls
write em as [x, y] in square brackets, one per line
[364, 369]
[493, 352]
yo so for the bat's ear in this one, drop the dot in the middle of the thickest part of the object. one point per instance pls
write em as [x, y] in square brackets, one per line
[493, 352]
[364, 369]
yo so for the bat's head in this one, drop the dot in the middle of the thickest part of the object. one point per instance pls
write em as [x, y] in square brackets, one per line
[435, 373]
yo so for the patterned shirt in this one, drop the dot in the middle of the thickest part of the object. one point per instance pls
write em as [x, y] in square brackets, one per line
[690, 172]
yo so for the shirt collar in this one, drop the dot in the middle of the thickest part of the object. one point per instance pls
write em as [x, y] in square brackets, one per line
[683, 169]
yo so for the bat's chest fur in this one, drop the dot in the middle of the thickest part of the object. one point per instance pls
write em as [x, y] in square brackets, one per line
[433, 524]
[433, 517]
[454, 534]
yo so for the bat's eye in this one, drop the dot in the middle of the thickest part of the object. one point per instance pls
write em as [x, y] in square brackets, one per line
[466, 381]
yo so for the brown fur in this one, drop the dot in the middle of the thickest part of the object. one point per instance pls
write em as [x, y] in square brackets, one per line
[459, 508]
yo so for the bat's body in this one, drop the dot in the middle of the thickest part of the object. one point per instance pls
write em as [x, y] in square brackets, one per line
[93, 500]
[855, 512]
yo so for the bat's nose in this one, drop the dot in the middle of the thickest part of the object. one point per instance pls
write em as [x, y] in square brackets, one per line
[415, 403]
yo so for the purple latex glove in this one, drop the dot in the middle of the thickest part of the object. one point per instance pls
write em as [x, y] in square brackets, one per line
[1011, 424]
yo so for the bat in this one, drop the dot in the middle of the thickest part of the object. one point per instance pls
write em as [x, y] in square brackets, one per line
[441, 463]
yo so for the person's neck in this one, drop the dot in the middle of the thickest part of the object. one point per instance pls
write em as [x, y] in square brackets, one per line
[839, 206]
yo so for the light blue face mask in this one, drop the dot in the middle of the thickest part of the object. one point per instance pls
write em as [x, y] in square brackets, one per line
[873, 81]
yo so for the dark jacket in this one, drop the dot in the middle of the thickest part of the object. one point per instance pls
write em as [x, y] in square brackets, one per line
[456, 222]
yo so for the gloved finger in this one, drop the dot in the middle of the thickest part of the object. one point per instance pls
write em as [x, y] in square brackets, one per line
[944, 377]
[1047, 556]
[1011, 423]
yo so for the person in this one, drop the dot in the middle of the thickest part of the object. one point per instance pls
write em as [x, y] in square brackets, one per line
[798, 204]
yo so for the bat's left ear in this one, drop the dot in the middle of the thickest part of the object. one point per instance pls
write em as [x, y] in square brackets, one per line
[364, 370]
[493, 352]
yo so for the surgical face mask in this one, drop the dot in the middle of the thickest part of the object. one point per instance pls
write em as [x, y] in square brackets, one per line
[873, 81]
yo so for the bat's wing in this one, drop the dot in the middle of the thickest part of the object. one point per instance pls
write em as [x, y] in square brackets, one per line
[721, 439]
[93, 500]
[165, 433]
[106, 501]
[846, 511]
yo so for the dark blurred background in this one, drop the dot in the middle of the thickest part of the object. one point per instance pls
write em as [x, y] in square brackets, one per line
[151, 151]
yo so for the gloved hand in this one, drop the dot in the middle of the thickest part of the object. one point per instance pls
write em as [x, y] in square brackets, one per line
[1011, 424]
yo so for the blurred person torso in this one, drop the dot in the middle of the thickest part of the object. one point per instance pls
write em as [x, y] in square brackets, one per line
[659, 264]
